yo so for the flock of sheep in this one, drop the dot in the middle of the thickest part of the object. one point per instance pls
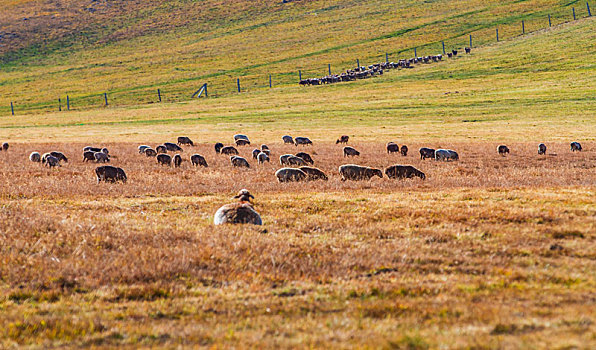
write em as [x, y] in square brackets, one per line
[296, 167]
[372, 70]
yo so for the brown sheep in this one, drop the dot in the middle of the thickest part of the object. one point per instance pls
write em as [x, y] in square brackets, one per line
[197, 159]
[392, 147]
[241, 212]
[342, 139]
[164, 159]
[350, 152]
[404, 150]
[403, 172]
[503, 150]
[357, 172]
[228, 150]
[150, 152]
[426, 152]
[183, 140]
[109, 173]
[161, 149]
[239, 162]
[177, 161]
[88, 156]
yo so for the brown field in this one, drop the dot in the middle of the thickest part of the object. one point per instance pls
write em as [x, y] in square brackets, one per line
[488, 252]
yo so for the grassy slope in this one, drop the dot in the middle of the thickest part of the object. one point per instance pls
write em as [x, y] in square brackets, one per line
[527, 88]
[176, 45]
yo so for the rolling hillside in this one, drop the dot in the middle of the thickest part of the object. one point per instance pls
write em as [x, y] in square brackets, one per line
[129, 49]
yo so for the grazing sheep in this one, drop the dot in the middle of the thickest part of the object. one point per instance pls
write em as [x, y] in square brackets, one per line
[218, 147]
[392, 147]
[101, 157]
[197, 159]
[105, 151]
[446, 155]
[468, 49]
[161, 149]
[264, 147]
[241, 212]
[61, 157]
[172, 147]
[88, 156]
[183, 140]
[5, 146]
[314, 173]
[262, 158]
[343, 139]
[542, 148]
[150, 152]
[290, 159]
[350, 152]
[404, 150]
[51, 161]
[240, 137]
[356, 172]
[44, 157]
[177, 161]
[503, 150]
[306, 157]
[164, 159]
[255, 153]
[35, 157]
[239, 162]
[93, 149]
[302, 141]
[108, 173]
[403, 172]
[142, 148]
[576, 146]
[229, 150]
[241, 142]
[287, 139]
[290, 175]
[426, 152]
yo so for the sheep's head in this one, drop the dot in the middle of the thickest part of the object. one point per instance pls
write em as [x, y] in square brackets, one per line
[244, 196]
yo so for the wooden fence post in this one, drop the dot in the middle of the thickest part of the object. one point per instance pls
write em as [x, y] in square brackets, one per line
[300, 75]
[497, 34]
[270, 81]
[11, 108]
[549, 22]
[329, 68]
[415, 54]
[588, 6]
[105, 97]
[442, 42]
[357, 63]
[386, 57]
[238, 83]
[470, 41]
[573, 9]
[67, 103]
[159, 95]
[59, 105]
[523, 28]
[206, 94]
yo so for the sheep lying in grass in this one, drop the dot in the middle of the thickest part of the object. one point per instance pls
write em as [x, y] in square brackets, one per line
[108, 173]
[35, 157]
[164, 159]
[403, 172]
[314, 173]
[241, 212]
[290, 175]
[356, 172]
[542, 148]
[197, 159]
[239, 162]
[503, 150]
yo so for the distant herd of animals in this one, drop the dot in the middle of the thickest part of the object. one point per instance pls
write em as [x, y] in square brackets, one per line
[372, 70]
[298, 167]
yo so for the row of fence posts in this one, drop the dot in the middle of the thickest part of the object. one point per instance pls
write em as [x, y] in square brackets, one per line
[105, 95]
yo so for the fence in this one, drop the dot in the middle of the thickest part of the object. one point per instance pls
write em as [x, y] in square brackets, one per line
[253, 79]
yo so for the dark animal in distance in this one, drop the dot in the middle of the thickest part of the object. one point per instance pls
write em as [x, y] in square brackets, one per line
[576, 146]
[197, 159]
[228, 150]
[403, 172]
[164, 159]
[183, 140]
[342, 139]
[426, 152]
[218, 147]
[503, 150]
[542, 148]
[404, 150]
[392, 147]
[306, 157]
[108, 173]
[356, 172]
[172, 147]
[350, 152]
[177, 161]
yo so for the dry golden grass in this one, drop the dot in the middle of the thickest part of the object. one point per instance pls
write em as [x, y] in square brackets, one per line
[488, 252]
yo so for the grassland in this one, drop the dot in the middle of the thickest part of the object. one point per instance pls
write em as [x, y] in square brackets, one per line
[489, 252]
